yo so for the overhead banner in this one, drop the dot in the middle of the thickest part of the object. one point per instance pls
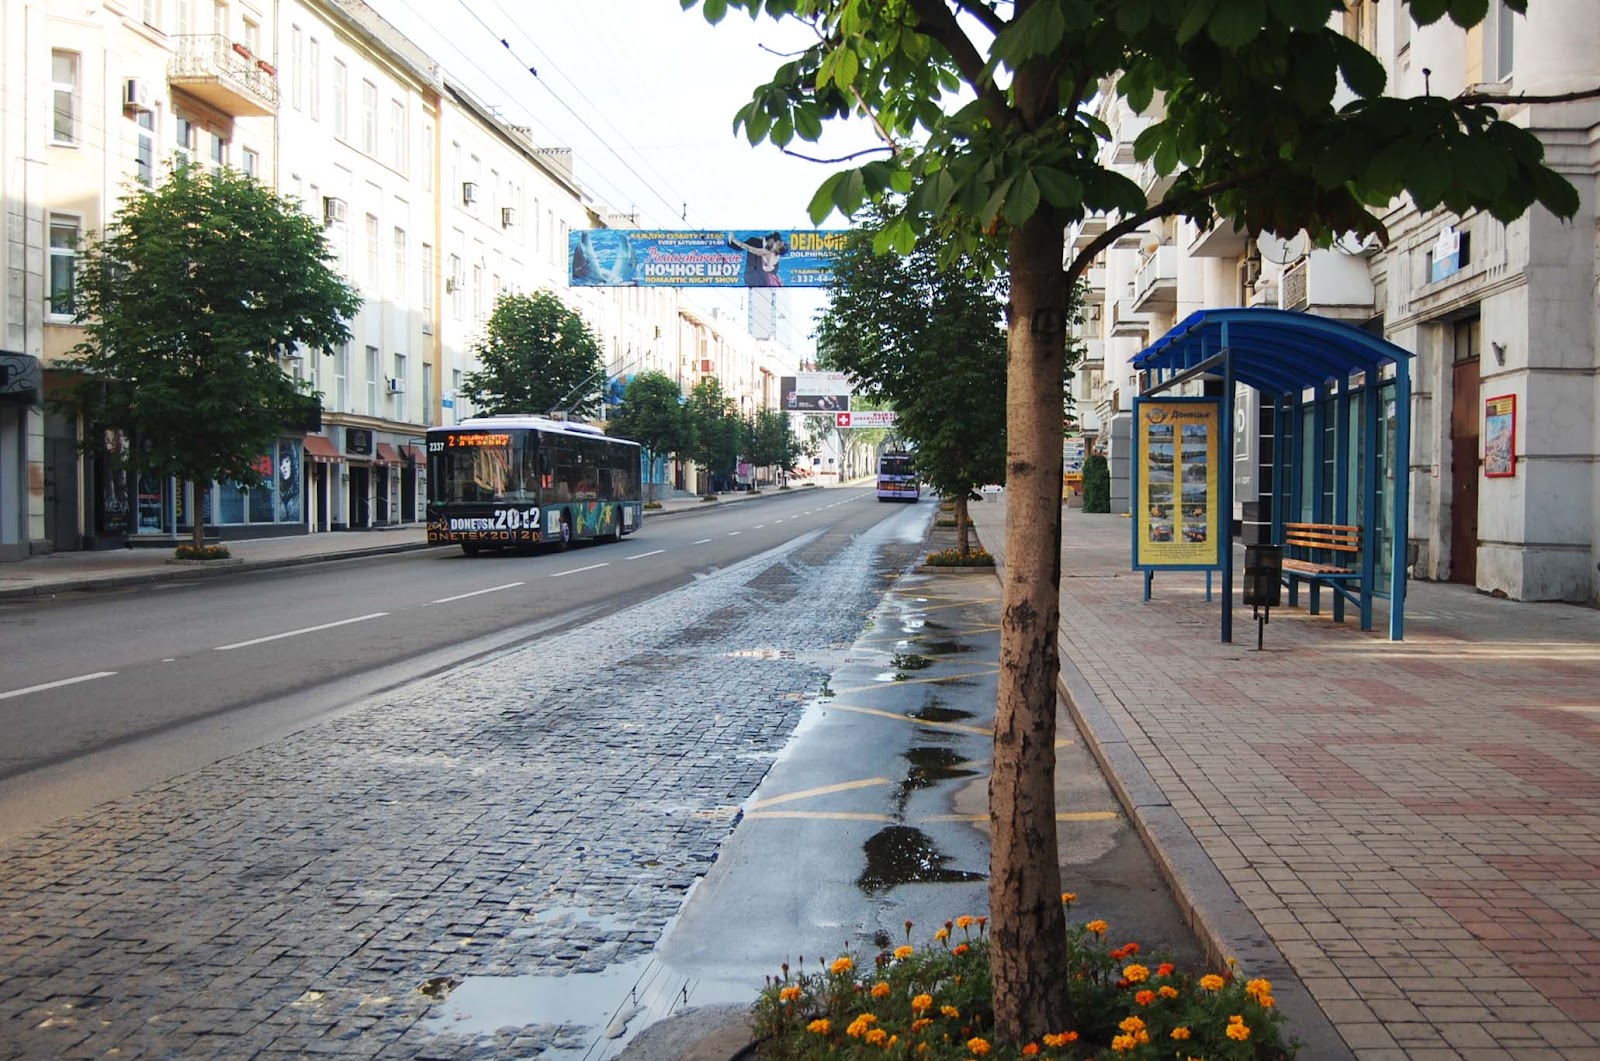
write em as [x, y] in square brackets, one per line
[612, 257]
[815, 392]
[865, 418]
[1177, 518]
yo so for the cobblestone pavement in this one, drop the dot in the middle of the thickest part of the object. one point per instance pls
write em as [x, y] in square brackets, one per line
[544, 810]
[1415, 826]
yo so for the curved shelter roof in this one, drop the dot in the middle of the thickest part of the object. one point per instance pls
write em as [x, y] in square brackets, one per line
[1275, 351]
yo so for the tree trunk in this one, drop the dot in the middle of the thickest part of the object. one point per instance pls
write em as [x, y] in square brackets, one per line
[199, 525]
[1029, 945]
[963, 526]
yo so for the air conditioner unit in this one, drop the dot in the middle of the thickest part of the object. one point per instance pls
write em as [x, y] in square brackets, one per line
[136, 94]
[508, 216]
[450, 284]
[397, 386]
[334, 211]
[469, 192]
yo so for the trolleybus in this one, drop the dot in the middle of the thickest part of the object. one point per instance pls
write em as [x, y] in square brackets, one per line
[897, 478]
[497, 482]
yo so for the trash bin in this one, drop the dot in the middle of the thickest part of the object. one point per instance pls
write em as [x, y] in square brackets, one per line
[1263, 575]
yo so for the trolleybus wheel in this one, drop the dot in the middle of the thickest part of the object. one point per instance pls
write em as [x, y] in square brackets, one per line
[565, 541]
[471, 548]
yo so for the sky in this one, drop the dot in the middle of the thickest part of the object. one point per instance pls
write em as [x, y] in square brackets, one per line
[644, 93]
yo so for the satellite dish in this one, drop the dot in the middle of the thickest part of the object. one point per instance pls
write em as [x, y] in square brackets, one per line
[1279, 251]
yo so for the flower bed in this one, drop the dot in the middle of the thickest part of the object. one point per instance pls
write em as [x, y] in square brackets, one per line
[955, 558]
[934, 1004]
[205, 552]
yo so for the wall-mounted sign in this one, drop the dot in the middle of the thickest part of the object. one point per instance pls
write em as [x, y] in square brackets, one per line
[1446, 255]
[1500, 436]
[358, 441]
[1177, 516]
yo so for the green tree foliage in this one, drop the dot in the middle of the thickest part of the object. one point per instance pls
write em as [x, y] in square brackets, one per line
[1096, 484]
[769, 440]
[189, 300]
[652, 413]
[537, 356]
[926, 339]
[985, 111]
[715, 429]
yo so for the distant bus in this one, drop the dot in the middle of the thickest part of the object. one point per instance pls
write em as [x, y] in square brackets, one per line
[497, 482]
[897, 478]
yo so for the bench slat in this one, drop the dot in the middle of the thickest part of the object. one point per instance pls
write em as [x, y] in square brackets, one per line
[1323, 527]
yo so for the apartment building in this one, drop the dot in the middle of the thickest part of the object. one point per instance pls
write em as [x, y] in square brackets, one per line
[1491, 311]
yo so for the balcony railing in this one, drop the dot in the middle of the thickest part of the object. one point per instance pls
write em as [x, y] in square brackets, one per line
[1155, 285]
[224, 74]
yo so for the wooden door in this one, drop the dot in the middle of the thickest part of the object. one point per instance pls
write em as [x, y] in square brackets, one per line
[1466, 465]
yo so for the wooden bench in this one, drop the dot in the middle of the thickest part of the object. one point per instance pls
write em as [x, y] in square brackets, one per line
[1325, 554]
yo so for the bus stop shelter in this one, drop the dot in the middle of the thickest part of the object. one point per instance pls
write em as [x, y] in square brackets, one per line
[1341, 411]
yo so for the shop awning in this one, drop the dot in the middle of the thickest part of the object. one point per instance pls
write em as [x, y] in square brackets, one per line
[386, 454]
[322, 450]
[415, 455]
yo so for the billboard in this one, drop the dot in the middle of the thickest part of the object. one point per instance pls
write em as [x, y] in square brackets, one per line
[866, 418]
[756, 258]
[1177, 517]
[814, 392]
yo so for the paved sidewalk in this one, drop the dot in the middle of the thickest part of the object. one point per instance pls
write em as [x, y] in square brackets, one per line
[1412, 828]
[65, 572]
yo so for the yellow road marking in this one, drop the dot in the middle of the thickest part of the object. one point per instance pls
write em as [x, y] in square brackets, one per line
[864, 816]
[843, 786]
[932, 679]
[915, 721]
[836, 816]
[1073, 816]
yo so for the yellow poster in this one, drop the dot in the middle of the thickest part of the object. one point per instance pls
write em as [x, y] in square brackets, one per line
[1177, 507]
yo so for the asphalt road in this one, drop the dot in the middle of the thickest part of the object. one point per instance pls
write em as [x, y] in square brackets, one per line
[103, 694]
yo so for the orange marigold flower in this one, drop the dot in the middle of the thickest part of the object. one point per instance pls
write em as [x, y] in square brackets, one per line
[921, 1023]
[1130, 949]
[960, 948]
[1132, 1024]
[1258, 989]
[1168, 991]
[880, 989]
[1135, 974]
[1212, 982]
[1097, 927]
[1123, 1043]
[1267, 1001]
[979, 1047]
[1238, 1031]
[789, 994]
[921, 1003]
[1030, 1049]
[1056, 1042]
[1144, 998]
[1166, 969]
[820, 1026]
[902, 953]
[950, 1011]
[877, 1037]
[1118, 954]
[1180, 1034]
[841, 965]
[963, 921]
[942, 934]
[1068, 898]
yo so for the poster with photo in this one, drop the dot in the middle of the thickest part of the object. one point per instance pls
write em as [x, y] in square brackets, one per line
[1176, 498]
[1500, 436]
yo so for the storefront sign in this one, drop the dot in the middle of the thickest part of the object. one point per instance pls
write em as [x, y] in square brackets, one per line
[1500, 436]
[358, 441]
[1177, 516]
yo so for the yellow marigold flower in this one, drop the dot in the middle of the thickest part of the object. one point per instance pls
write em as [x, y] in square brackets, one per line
[1144, 998]
[1123, 1043]
[963, 921]
[880, 990]
[1238, 1031]
[859, 1026]
[841, 965]
[1168, 991]
[1135, 974]
[820, 1026]
[877, 1037]
[902, 953]
[1132, 1025]
[950, 1011]
[789, 994]
[979, 1047]
[1258, 989]
[921, 1003]
[959, 949]
[1180, 1034]
[1068, 898]
[921, 1022]
[1212, 982]
[942, 934]
[1097, 927]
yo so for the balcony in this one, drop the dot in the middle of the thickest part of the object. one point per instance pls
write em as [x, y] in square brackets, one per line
[1094, 279]
[1093, 351]
[1221, 240]
[1126, 322]
[1330, 284]
[1155, 285]
[1091, 228]
[1154, 184]
[224, 74]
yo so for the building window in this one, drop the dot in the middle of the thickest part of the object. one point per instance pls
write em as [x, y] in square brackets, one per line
[314, 79]
[427, 394]
[183, 139]
[427, 288]
[150, 13]
[252, 163]
[477, 291]
[369, 117]
[372, 253]
[64, 74]
[341, 105]
[219, 18]
[219, 152]
[341, 378]
[458, 403]
[399, 377]
[144, 148]
[397, 135]
[63, 263]
[1499, 36]
[297, 58]
[400, 264]
[427, 157]
[452, 283]
[252, 37]
[374, 373]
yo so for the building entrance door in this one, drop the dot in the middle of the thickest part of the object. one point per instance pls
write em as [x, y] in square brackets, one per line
[61, 489]
[1465, 456]
[360, 517]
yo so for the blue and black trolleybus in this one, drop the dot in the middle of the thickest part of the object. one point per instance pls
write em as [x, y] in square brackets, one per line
[497, 482]
[897, 478]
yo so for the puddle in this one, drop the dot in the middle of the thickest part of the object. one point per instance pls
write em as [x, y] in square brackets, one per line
[935, 713]
[900, 854]
[911, 661]
[481, 1005]
[944, 648]
[930, 765]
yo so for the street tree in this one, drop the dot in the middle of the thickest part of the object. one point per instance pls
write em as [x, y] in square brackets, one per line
[715, 429]
[769, 440]
[985, 110]
[652, 413]
[190, 301]
[537, 356]
[926, 338]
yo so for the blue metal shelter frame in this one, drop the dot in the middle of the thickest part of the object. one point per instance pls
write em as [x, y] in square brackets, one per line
[1307, 367]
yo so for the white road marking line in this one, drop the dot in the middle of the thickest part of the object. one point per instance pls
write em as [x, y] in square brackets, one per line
[297, 633]
[57, 685]
[641, 556]
[576, 570]
[476, 592]
[702, 541]
[732, 534]
[758, 526]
